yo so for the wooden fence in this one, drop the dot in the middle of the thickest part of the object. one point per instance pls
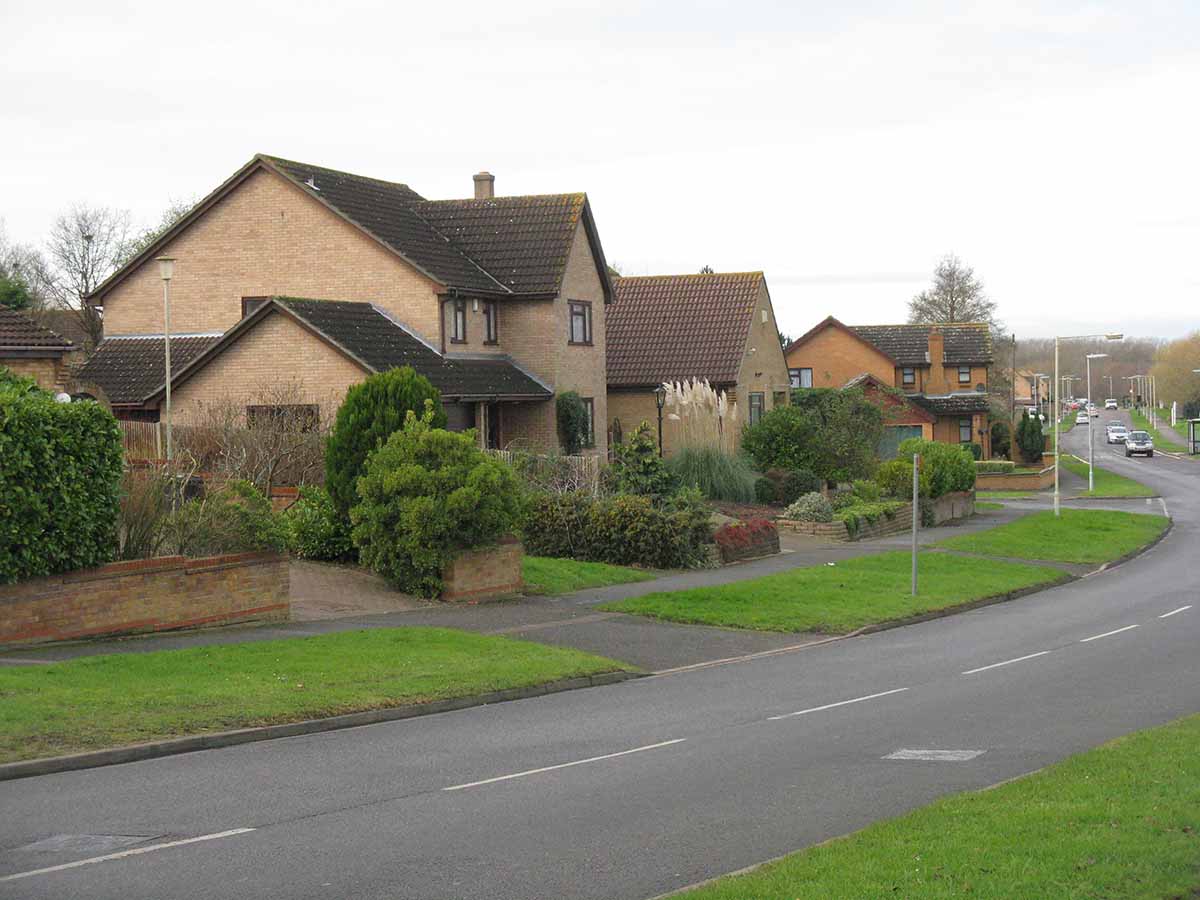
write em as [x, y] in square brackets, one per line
[142, 440]
[580, 473]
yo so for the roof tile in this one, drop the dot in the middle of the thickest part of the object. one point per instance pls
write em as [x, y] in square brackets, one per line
[18, 330]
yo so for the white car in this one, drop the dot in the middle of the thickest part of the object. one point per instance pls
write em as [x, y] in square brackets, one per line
[1117, 434]
[1093, 410]
[1082, 418]
[1110, 403]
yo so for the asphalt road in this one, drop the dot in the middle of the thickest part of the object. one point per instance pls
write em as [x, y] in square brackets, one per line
[632, 790]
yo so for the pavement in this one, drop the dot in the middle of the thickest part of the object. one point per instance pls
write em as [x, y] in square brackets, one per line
[635, 789]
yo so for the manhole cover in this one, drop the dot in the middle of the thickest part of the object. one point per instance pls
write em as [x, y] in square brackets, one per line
[936, 755]
[84, 843]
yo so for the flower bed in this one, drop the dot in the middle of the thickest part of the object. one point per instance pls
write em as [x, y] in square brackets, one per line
[898, 522]
[746, 540]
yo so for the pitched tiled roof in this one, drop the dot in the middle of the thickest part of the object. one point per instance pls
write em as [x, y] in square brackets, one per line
[19, 332]
[522, 242]
[908, 344]
[665, 327]
[130, 369]
[952, 404]
[370, 336]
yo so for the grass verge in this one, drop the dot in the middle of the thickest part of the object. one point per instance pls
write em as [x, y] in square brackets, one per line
[1161, 442]
[838, 599]
[1078, 536]
[1108, 483]
[1004, 495]
[547, 576]
[1121, 822]
[113, 700]
[984, 504]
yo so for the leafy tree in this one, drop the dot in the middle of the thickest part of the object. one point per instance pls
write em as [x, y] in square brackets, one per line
[832, 433]
[1172, 371]
[573, 431]
[784, 340]
[372, 411]
[638, 469]
[426, 495]
[956, 295]
[14, 292]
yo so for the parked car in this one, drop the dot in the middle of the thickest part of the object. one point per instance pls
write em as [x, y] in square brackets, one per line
[1110, 403]
[1093, 410]
[1139, 442]
[1117, 434]
[1081, 419]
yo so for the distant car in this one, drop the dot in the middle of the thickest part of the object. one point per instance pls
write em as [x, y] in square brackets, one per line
[1093, 411]
[1139, 442]
[1110, 403]
[1117, 434]
[1082, 418]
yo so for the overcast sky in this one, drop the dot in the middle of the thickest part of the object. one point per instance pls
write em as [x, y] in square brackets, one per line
[840, 147]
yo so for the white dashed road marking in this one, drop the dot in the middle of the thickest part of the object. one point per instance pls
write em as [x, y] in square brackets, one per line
[1007, 662]
[936, 755]
[1096, 637]
[805, 712]
[1172, 612]
[578, 762]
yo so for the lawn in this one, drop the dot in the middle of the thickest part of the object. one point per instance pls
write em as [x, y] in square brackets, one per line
[1108, 483]
[1078, 536]
[1160, 442]
[118, 699]
[1120, 822]
[837, 599]
[547, 576]
[984, 504]
[1004, 495]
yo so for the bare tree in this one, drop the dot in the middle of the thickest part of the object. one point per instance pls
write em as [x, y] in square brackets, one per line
[956, 295]
[23, 264]
[86, 245]
[176, 210]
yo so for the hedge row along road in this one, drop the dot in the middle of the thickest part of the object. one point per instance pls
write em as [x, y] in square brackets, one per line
[634, 790]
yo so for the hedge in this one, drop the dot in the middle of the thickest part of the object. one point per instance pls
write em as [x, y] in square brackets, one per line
[60, 476]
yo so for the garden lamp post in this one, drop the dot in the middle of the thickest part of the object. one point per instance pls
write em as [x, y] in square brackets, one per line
[660, 400]
[166, 269]
[1091, 430]
[1058, 403]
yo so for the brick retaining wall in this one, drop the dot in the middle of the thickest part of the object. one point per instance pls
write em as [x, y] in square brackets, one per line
[837, 531]
[486, 573]
[1024, 481]
[146, 595]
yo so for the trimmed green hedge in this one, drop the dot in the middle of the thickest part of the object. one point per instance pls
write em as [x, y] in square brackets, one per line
[60, 476]
[994, 467]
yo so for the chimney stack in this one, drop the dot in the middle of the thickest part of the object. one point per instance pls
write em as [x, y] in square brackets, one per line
[936, 384]
[485, 185]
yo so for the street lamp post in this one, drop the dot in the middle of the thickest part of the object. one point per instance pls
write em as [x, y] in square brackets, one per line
[660, 400]
[1058, 404]
[1091, 430]
[166, 269]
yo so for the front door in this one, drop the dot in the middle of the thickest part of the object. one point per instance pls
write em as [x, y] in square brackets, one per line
[493, 426]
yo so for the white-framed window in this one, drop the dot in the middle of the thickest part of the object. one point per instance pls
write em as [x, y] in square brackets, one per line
[908, 376]
[964, 374]
[800, 378]
[589, 403]
[757, 402]
[581, 322]
[458, 324]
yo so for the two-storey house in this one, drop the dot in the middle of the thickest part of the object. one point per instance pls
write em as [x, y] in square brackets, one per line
[933, 379]
[295, 273]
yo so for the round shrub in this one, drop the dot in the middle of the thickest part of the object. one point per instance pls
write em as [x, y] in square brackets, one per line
[764, 490]
[796, 483]
[428, 494]
[840, 500]
[60, 482]
[235, 519]
[866, 491]
[811, 508]
[313, 528]
[556, 524]
[372, 411]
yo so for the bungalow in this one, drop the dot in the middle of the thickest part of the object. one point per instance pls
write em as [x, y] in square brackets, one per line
[290, 272]
[939, 369]
[718, 327]
[34, 351]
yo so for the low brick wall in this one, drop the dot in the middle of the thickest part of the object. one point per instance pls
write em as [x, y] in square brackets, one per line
[837, 531]
[955, 505]
[146, 595]
[1023, 481]
[485, 574]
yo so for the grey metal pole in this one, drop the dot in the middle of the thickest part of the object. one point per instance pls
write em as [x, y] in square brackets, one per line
[916, 517]
[167, 328]
[1057, 424]
[1091, 431]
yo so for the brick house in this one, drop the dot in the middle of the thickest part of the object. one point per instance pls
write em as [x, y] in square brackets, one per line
[938, 370]
[34, 351]
[500, 301]
[718, 326]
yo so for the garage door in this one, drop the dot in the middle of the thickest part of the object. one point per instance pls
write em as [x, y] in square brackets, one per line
[892, 437]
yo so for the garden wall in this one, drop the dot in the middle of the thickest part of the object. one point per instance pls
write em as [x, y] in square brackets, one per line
[837, 531]
[484, 574]
[146, 595]
[955, 505]
[1021, 481]
[745, 540]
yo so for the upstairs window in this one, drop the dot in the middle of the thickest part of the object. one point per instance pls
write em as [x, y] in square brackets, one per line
[491, 333]
[908, 376]
[458, 323]
[964, 374]
[250, 304]
[800, 378]
[964, 431]
[757, 402]
[581, 322]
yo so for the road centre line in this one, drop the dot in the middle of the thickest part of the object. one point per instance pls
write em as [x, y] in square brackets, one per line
[1007, 662]
[1172, 612]
[578, 762]
[1096, 637]
[832, 705]
[137, 851]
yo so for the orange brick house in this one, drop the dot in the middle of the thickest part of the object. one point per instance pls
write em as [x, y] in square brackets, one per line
[939, 371]
[715, 326]
[500, 301]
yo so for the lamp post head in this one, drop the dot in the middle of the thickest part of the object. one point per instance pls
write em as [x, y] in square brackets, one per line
[166, 267]
[1097, 355]
[1114, 337]
[660, 396]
